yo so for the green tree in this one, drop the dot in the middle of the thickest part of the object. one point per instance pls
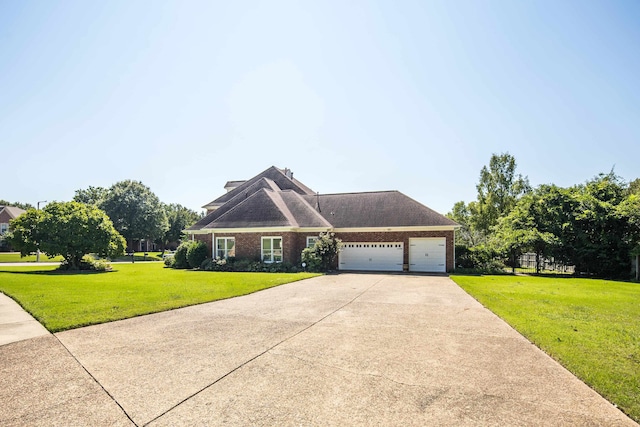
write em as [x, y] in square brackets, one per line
[91, 196]
[467, 236]
[499, 188]
[68, 229]
[523, 230]
[634, 186]
[135, 210]
[178, 218]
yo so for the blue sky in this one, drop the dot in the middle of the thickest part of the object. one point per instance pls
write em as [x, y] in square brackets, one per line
[412, 96]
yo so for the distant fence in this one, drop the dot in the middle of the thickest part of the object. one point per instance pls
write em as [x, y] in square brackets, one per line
[527, 264]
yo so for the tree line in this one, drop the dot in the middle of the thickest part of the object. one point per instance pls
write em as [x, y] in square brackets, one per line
[100, 220]
[594, 226]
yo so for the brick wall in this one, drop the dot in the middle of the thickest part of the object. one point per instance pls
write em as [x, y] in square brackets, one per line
[248, 245]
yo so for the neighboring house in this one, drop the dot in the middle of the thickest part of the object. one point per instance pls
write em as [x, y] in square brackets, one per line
[7, 213]
[273, 217]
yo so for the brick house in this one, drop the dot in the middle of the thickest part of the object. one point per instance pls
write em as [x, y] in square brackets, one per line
[273, 217]
[7, 213]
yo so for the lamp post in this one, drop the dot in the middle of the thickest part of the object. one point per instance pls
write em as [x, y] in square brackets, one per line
[38, 243]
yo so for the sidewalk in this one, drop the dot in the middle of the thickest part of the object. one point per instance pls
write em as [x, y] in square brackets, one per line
[16, 324]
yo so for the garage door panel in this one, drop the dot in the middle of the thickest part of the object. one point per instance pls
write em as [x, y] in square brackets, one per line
[428, 255]
[371, 256]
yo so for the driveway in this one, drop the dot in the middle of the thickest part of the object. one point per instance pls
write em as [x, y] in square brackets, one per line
[347, 349]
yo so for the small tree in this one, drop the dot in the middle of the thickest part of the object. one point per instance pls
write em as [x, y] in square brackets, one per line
[69, 229]
[322, 255]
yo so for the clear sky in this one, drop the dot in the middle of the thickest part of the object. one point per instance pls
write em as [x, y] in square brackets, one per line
[412, 96]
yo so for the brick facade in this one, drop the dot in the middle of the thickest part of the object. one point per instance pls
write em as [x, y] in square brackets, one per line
[248, 245]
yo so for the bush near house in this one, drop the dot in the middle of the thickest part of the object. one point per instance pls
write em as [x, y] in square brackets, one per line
[196, 253]
[321, 257]
[247, 265]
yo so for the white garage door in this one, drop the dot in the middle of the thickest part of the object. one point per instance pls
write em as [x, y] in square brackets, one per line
[428, 255]
[371, 256]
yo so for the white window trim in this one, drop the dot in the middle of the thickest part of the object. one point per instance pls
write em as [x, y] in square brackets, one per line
[262, 249]
[6, 228]
[225, 238]
[309, 245]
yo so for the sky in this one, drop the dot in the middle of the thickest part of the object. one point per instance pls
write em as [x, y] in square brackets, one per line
[413, 96]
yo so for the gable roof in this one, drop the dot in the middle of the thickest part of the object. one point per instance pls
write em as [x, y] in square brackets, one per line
[273, 199]
[12, 211]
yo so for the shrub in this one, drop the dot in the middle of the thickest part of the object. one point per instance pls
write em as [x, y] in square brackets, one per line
[322, 255]
[247, 265]
[169, 261]
[88, 263]
[197, 253]
[311, 260]
[180, 257]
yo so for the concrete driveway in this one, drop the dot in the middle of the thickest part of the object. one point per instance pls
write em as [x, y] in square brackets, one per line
[348, 349]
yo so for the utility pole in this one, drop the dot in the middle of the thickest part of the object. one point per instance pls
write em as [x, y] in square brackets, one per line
[38, 243]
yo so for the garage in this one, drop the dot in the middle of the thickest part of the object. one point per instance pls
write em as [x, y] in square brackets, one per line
[428, 255]
[371, 256]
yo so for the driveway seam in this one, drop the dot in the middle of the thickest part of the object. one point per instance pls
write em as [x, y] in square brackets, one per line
[96, 380]
[338, 368]
[259, 355]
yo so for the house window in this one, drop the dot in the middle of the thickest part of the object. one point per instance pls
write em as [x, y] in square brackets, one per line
[225, 247]
[272, 249]
[4, 227]
[311, 240]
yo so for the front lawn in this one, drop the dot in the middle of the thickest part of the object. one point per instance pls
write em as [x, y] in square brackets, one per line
[15, 257]
[63, 301]
[592, 327]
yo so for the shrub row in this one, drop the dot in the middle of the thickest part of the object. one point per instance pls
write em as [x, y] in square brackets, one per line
[248, 265]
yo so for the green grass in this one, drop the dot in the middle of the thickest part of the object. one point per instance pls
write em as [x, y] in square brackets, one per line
[592, 327]
[64, 301]
[15, 257]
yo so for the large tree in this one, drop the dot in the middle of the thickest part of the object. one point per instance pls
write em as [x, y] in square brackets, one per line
[91, 196]
[135, 210]
[499, 188]
[68, 229]
[179, 218]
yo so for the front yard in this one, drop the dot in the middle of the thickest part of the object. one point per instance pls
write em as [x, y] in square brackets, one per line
[63, 301]
[592, 327]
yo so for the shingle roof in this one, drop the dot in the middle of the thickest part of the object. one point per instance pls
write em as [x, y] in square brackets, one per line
[274, 174]
[271, 199]
[376, 209]
[13, 211]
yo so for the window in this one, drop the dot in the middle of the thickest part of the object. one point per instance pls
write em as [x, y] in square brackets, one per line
[4, 227]
[311, 240]
[225, 247]
[272, 249]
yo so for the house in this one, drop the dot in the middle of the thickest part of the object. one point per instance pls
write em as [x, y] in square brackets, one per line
[7, 213]
[273, 217]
